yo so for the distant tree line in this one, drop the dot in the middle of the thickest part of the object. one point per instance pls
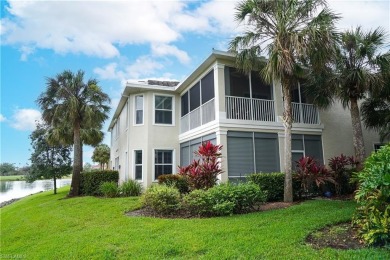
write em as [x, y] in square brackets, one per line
[8, 169]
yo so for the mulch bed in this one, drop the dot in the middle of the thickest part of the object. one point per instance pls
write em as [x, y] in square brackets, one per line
[183, 214]
[340, 236]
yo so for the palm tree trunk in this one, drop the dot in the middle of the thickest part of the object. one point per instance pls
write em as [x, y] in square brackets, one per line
[77, 161]
[358, 141]
[287, 120]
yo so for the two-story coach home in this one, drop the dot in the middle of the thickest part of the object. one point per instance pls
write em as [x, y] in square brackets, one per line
[158, 125]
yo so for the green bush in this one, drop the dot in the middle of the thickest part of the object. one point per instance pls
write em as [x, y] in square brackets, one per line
[109, 189]
[175, 180]
[91, 181]
[130, 188]
[224, 199]
[199, 203]
[273, 184]
[162, 199]
[372, 215]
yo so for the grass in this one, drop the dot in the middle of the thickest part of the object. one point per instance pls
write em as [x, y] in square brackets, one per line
[46, 226]
[12, 178]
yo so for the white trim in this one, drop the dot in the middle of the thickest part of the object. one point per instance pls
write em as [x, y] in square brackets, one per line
[135, 110]
[173, 109]
[134, 165]
[154, 160]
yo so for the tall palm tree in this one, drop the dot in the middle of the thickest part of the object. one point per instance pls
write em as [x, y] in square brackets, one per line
[358, 68]
[76, 111]
[292, 34]
[376, 109]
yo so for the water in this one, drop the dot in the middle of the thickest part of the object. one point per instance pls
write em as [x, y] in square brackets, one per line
[17, 189]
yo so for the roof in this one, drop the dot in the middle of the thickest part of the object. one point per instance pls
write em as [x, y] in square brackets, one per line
[171, 86]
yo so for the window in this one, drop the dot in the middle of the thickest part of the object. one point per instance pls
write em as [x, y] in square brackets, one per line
[117, 166]
[163, 106]
[250, 152]
[138, 164]
[260, 89]
[139, 110]
[184, 104]
[163, 162]
[117, 128]
[378, 146]
[306, 145]
[236, 83]
[195, 97]
[188, 148]
[207, 84]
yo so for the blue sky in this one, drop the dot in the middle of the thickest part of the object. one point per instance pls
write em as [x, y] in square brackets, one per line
[116, 41]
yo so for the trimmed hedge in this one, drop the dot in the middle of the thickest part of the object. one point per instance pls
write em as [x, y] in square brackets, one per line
[175, 180]
[273, 184]
[91, 181]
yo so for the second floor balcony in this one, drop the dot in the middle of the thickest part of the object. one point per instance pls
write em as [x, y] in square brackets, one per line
[241, 108]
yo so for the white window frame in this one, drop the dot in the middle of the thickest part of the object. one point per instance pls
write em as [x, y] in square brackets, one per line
[135, 165]
[154, 160]
[117, 127]
[154, 109]
[135, 110]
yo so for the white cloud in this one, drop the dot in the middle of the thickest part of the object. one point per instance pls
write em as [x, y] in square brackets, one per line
[2, 118]
[143, 66]
[166, 50]
[25, 119]
[98, 28]
[368, 14]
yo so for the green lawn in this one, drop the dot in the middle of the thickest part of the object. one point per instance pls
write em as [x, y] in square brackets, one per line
[46, 226]
[12, 178]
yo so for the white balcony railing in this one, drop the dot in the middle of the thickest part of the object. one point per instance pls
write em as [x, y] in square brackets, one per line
[305, 113]
[250, 109]
[197, 117]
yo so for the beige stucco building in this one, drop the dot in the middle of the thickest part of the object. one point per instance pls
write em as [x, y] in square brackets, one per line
[158, 125]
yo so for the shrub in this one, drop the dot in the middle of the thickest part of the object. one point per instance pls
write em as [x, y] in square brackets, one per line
[273, 184]
[161, 199]
[224, 199]
[342, 168]
[109, 189]
[175, 180]
[309, 173]
[91, 181]
[198, 203]
[130, 188]
[202, 174]
[372, 215]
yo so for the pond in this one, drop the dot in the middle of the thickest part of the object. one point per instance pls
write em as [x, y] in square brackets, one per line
[17, 189]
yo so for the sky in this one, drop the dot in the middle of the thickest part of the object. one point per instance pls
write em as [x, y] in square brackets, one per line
[113, 42]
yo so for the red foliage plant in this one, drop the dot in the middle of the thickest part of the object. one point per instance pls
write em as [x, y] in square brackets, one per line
[309, 172]
[203, 173]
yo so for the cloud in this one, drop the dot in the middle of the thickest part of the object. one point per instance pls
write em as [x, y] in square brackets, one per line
[25, 119]
[143, 66]
[99, 28]
[167, 50]
[368, 14]
[2, 118]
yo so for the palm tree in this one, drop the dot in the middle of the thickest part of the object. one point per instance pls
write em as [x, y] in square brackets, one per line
[376, 110]
[357, 69]
[76, 112]
[293, 35]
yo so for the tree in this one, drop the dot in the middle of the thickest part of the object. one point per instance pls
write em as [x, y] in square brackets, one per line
[48, 161]
[101, 154]
[357, 68]
[376, 110]
[7, 169]
[75, 111]
[294, 35]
